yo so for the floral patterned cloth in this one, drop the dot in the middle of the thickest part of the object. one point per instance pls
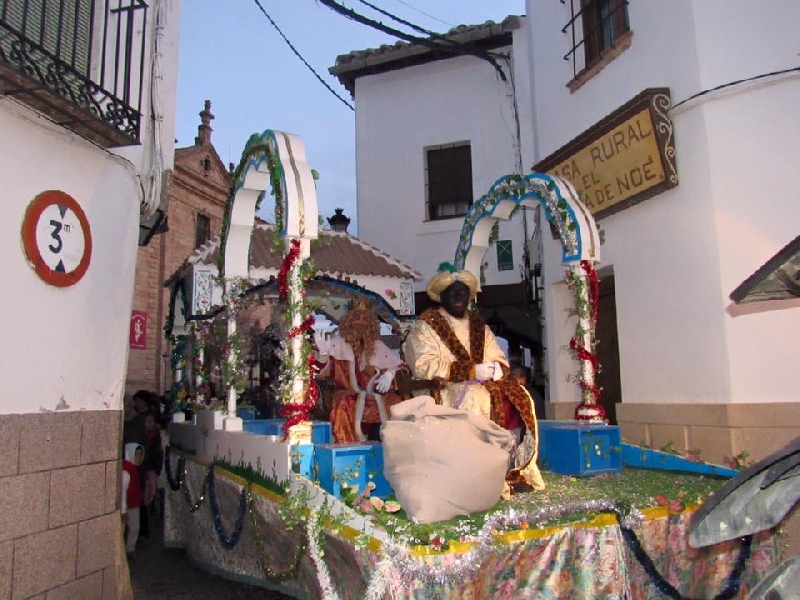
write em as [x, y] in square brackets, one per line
[577, 562]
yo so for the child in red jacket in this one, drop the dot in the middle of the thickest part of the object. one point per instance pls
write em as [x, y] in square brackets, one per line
[131, 494]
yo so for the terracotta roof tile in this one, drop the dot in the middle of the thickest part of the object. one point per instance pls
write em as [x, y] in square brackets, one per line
[335, 254]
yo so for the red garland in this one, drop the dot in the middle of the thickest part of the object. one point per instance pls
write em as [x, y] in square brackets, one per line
[594, 286]
[591, 388]
[583, 353]
[283, 274]
[299, 412]
[307, 324]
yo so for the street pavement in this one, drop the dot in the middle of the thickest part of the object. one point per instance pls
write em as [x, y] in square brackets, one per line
[159, 573]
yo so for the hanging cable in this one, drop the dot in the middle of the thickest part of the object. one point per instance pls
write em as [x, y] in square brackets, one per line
[455, 48]
[310, 68]
[401, 21]
[422, 12]
[733, 83]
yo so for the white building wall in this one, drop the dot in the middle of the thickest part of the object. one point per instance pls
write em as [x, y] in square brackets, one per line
[678, 255]
[400, 114]
[66, 348]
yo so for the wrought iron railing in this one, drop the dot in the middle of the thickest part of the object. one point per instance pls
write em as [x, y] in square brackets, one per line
[605, 29]
[81, 62]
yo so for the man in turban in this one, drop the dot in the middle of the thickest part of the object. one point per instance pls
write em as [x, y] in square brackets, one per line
[451, 343]
[361, 368]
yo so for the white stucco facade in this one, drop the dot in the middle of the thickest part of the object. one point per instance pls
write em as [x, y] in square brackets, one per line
[676, 256]
[401, 113]
[65, 348]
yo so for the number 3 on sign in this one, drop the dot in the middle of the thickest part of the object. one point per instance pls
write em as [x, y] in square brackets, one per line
[56, 238]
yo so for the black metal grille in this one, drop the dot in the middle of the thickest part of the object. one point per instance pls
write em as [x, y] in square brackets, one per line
[81, 62]
[594, 28]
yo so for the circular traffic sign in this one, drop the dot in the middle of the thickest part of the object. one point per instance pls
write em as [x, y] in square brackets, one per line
[56, 238]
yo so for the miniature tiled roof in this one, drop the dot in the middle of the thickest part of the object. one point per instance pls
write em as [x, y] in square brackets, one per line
[335, 254]
[776, 279]
[399, 55]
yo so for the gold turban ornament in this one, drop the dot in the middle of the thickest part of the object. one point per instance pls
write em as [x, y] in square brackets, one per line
[444, 279]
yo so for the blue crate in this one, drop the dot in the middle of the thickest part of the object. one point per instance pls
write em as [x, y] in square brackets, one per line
[647, 458]
[246, 413]
[321, 432]
[579, 448]
[351, 464]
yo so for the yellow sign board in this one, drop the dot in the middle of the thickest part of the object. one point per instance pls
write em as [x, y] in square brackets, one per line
[621, 160]
[617, 166]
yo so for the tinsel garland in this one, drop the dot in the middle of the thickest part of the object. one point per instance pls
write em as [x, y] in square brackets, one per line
[318, 556]
[194, 506]
[466, 566]
[589, 313]
[273, 576]
[398, 559]
[228, 541]
[174, 485]
[202, 334]
[178, 390]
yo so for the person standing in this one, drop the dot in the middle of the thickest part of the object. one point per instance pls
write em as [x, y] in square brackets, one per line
[131, 500]
[152, 465]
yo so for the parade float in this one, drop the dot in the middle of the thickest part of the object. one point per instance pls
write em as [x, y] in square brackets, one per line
[275, 503]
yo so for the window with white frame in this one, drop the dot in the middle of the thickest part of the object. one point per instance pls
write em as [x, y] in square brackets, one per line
[448, 180]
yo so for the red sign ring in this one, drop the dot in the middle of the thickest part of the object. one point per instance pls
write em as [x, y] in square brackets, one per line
[59, 277]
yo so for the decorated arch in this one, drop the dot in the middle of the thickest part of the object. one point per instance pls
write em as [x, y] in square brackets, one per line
[580, 243]
[276, 159]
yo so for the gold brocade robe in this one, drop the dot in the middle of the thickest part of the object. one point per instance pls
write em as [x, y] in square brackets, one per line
[430, 354]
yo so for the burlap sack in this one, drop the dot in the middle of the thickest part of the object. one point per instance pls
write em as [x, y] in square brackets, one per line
[442, 462]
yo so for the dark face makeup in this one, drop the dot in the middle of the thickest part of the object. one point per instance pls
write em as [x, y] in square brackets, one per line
[455, 299]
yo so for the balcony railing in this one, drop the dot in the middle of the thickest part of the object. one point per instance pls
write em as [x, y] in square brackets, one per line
[81, 62]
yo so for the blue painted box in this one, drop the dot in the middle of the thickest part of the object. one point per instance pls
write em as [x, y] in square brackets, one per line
[247, 413]
[647, 458]
[579, 448]
[350, 465]
[321, 432]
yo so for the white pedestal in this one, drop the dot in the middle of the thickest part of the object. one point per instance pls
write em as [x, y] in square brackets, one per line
[233, 424]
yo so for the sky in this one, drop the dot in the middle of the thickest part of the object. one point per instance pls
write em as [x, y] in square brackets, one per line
[232, 55]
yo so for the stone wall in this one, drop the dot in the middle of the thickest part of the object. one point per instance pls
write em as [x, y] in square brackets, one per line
[60, 527]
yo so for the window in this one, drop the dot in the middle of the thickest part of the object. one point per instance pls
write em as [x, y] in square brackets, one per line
[596, 26]
[448, 174]
[505, 257]
[202, 230]
[603, 22]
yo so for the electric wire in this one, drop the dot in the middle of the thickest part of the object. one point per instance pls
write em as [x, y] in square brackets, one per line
[400, 20]
[733, 83]
[305, 62]
[422, 12]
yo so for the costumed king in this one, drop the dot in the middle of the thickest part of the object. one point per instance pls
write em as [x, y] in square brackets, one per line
[362, 370]
[451, 343]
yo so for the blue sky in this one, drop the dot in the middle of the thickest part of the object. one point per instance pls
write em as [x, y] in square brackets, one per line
[232, 55]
